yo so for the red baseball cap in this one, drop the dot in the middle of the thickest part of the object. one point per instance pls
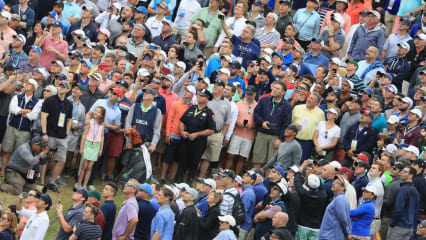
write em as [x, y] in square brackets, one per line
[118, 92]
[105, 66]
[363, 157]
[345, 171]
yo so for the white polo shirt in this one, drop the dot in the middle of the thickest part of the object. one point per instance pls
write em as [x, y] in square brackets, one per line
[37, 224]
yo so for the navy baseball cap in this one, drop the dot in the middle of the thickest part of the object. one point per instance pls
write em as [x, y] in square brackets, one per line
[83, 192]
[46, 199]
[149, 90]
[123, 83]
[57, 24]
[61, 76]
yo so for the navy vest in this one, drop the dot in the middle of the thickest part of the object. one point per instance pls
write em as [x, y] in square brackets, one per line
[18, 121]
[144, 121]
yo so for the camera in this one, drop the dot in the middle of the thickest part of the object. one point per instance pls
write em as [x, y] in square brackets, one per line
[221, 16]
[200, 65]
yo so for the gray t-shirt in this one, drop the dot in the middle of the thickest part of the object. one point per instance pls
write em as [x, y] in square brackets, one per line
[289, 154]
[23, 160]
[339, 38]
[4, 99]
[222, 111]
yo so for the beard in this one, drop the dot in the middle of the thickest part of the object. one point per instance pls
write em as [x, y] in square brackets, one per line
[403, 109]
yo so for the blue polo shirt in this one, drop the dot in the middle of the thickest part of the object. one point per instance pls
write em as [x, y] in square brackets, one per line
[65, 24]
[154, 203]
[314, 61]
[260, 191]
[71, 10]
[379, 123]
[238, 79]
[203, 205]
[163, 222]
[108, 209]
[247, 51]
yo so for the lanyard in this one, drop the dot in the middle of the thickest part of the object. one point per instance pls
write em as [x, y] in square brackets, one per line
[74, 109]
[196, 112]
[12, 56]
[95, 132]
[407, 132]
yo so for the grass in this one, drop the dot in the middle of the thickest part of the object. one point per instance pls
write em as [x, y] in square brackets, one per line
[65, 196]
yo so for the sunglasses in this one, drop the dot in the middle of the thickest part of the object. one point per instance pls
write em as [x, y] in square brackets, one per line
[129, 184]
[326, 135]
[146, 58]
[275, 188]
[113, 93]
[301, 88]
[156, 82]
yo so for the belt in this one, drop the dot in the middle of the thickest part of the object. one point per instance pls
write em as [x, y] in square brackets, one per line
[376, 218]
[303, 140]
[217, 131]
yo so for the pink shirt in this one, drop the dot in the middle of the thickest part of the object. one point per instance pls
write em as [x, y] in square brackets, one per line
[7, 37]
[170, 98]
[346, 18]
[105, 85]
[95, 132]
[46, 56]
[23, 220]
[245, 112]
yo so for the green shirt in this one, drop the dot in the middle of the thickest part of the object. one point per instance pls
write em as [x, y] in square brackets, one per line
[388, 178]
[214, 26]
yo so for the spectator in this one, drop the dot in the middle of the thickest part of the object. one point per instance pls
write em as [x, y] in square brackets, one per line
[411, 132]
[308, 21]
[58, 8]
[38, 220]
[289, 152]
[230, 192]
[315, 58]
[367, 35]
[22, 111]
[165, 38]
[272, 116]
[306, 117]
[327, 136]
[406, 204]
[94, 198]
[23, 162]
[88, 229]
[336, 221]
[191, 51]
[209, 223]
[237, 22]
[146, 212]
[248, 198]
[72, 12]
[8, 33]
[162, 224]
[127, 217]
[284, 18]
[31, 200]
[375, 172]
[419, 182]
[279, 222]
[187, 225]
[398, 66]
[390, 48]
[333, 36]
[108, 209]
[363, 216]
[53, 47]
[207, 186]
[341, 8]
[251, 51]
[8, 224]
[185, 12]
[73, 216]
[268, 36]
[378, 120]
[226, 227]
[421, 233]
[91, 92]
[15, 55]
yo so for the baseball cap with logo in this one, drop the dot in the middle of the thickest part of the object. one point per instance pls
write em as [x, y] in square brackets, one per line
[191, 89]
[227, 173]
[21, 38]
[404, 45]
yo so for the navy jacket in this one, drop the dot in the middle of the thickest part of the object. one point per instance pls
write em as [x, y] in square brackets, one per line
[281, 115]
[367, 138]
[164, 43]
[90, 30]
[419, 182]
[406, 204]
[400, 67]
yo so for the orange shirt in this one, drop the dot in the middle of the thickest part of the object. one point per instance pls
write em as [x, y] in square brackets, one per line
[245, 112]
[177, 109]
[170, 98]
[353, 11]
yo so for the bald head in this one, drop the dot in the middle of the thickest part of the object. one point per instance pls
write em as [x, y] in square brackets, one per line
[280, 219]
[371, 53]
[328, 172]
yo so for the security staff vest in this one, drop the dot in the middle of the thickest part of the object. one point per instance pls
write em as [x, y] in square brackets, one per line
[19, 122]
[144, 121]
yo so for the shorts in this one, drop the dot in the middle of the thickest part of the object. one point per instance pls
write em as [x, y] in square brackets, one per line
[172, 151]
[214, 146]
[240, 146]
[13, 138]
[58, 147]
[161, 145]
[263, 149]
[91, 150]
[73, 140]
[375, 226]
[114, 144]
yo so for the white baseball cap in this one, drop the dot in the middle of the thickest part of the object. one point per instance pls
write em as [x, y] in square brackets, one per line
[372, 189]
[191, 89]
[392, 88]
[210, 182]
[391, 148]
[21, 38]
[228, 219]
[143, 72]
[338, 17]
[313, 181]
[404, 45]
[412, 149]
[393, 119]
[417, 112]
[336, 60]
[33, 82]
[181, 65]
[226, 71]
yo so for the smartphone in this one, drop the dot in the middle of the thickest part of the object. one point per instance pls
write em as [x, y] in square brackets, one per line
[186, 44]
[272, 126]
[334, 71]
[59, 201]
[158, 62]
[200, 65]
[221, 17]
[245, 122]
[152, 47]
[25, 195]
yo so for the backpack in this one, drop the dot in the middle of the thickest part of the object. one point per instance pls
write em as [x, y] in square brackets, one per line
[238, 210]
[134, 164]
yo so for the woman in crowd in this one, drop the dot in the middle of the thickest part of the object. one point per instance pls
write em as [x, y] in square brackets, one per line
[228, 228]
[308, 21]
[363, 216]
[8, 224]
[209, 223]
[326, 136]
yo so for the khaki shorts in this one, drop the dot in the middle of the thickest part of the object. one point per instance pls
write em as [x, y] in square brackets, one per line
[263, 149]
[214, 146]
[375, 226]
[58, 147]
[240, 146]
[13, 138]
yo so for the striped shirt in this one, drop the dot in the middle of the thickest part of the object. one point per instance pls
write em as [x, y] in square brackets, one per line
[228, 201]
[271, 37]
[88, 231]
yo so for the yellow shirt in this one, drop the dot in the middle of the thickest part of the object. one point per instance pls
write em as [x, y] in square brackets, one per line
[309, 120]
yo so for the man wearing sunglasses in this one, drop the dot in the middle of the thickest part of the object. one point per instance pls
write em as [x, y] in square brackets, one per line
[127, 218]
[37, 219]
[421, 230]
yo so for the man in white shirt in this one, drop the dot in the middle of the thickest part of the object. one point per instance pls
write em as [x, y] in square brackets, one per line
[155, 23]
[38, 222]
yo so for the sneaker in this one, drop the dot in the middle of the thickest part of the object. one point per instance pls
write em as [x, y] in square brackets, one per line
[60, 182]
[52, 187]
[108, 179]
[76, 186]
[91, 188]
[41, 188]
[84, 187]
